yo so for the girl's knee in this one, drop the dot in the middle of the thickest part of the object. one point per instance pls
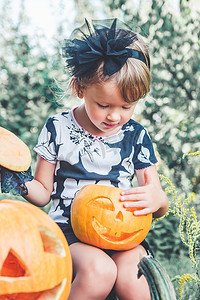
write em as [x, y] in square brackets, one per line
[128, 286]
[97, 278]
[92, 263]
[102, 271]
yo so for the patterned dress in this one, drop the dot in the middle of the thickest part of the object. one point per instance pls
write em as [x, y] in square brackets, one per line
[82, 158]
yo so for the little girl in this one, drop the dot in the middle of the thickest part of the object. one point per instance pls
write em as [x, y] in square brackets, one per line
[99, 143]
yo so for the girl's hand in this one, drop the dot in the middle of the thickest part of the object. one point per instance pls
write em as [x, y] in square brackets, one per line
[149, 196]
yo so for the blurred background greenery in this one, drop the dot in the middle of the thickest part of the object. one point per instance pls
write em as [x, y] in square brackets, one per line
[30, 62]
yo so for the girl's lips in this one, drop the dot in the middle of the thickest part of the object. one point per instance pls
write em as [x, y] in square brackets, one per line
[109, 125]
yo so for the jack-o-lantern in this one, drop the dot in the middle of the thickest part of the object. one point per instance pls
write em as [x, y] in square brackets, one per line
[35, 262]
[99, 218]
[14, 153]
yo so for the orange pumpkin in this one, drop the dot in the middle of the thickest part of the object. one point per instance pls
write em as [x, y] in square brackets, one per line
[14, 154]
[35, 261]
[99, 218]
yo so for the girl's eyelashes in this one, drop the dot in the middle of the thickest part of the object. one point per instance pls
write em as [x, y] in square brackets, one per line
[102, 106]
[126, 108]
[106, 106]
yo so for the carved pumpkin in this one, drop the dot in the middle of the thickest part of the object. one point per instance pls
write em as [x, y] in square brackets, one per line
[35, 262]
[100, 219]
[14, 154]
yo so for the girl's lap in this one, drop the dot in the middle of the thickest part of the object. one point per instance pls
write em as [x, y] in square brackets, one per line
[86, 256]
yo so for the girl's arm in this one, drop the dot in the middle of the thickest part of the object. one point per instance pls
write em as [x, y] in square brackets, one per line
[40, 188]
[148, 196]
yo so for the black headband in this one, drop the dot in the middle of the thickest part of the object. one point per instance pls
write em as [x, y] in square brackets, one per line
[89, 47]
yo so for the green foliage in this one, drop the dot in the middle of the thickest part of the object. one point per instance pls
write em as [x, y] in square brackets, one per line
[172, 112]
[164, 238]
[189, 233]
[181, 265]
[26, 75]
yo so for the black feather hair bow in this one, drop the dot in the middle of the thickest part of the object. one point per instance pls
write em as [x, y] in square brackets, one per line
[93, 44]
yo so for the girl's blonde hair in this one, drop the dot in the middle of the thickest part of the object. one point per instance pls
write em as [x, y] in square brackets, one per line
[133, 79]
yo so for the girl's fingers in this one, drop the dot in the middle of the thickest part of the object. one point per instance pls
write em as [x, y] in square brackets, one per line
[136, 190]
[132, 197]
[143, 206]
[142, 212]
[136, 204]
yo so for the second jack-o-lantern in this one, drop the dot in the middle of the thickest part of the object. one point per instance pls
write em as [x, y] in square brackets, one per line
[35, 262]
[99, 218]
[14, 153]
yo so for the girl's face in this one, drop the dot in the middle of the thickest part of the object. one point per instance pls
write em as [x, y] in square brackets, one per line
[106, 109]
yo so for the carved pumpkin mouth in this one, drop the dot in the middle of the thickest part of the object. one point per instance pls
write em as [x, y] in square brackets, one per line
[51, 294]
[106, 233]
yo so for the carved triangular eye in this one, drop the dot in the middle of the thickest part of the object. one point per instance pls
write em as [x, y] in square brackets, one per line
[102, 202]
[51, 242]
[119, 216]
[12, 266]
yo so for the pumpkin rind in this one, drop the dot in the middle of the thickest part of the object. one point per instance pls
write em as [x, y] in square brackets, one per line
[30, 236]
[14, 153]
[99, 218]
